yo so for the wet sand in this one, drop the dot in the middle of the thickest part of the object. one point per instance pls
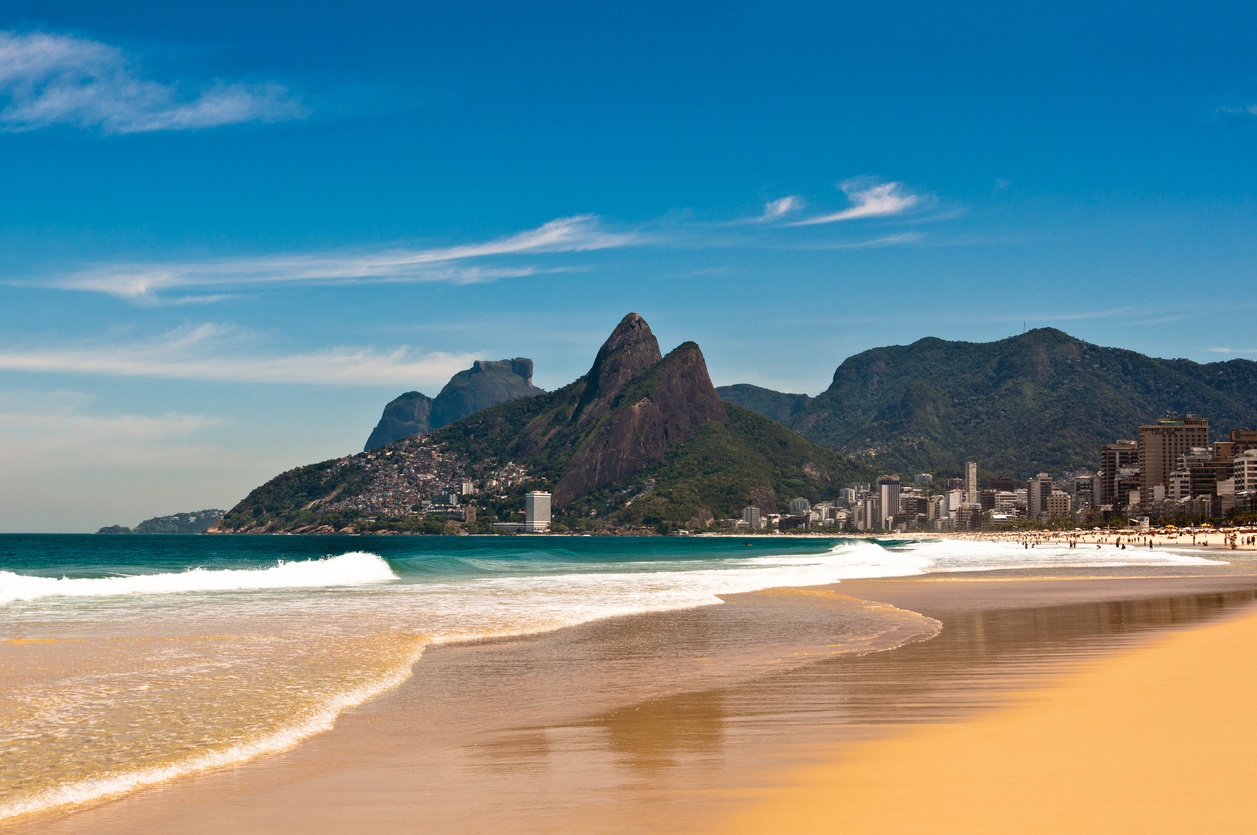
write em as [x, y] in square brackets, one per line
[1157, 739]
[671, 722]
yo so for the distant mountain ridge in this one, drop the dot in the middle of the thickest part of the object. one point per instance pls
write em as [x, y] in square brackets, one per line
[487, 383]
[641, 439]
[197, 521]
[1038, 401]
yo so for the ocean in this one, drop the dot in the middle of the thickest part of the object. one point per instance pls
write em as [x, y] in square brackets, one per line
[126, 661]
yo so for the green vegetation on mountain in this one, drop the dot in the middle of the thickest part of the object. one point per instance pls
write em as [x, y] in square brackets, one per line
[296, 498]
[1040, 401]
[774, 405]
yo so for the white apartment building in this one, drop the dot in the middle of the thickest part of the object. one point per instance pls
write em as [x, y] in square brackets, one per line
[536, 511]
[1246, 472]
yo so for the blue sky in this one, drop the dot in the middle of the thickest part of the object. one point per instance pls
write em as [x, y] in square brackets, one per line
[231, 232]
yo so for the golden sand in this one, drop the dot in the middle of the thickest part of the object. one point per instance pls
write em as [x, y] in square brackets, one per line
[1160, 739]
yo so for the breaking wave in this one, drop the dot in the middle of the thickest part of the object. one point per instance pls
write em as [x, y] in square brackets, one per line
[352, 569]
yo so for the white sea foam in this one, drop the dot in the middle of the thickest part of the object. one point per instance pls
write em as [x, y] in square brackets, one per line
[352, 569]
[979, 555]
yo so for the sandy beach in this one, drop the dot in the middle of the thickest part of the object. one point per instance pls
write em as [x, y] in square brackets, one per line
[725, 717]
[1157, 739]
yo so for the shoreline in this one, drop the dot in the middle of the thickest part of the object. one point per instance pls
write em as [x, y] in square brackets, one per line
[708, 741]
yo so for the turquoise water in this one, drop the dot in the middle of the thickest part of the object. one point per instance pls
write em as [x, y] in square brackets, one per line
[454, 557]
[129, 660]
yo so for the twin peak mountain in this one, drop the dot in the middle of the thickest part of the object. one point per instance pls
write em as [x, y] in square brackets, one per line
[641, 439]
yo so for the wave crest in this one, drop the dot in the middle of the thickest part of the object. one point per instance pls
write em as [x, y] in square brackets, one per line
[353, 569]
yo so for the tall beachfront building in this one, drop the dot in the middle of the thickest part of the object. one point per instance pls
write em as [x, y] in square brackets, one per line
[971, 483]
[1114, 458]
[888, 495]
[536, 511]
[1160, 446]
[1038, 490]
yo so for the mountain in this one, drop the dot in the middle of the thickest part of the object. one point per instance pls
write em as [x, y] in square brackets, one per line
[407, 415]
[641, 440]
[196, 522]
[483, 385]
[774, 405]
[1039, 401]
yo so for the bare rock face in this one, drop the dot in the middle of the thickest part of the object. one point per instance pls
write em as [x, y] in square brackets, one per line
[646, 415]
[630, 350]
[405, 416]
[487, 383]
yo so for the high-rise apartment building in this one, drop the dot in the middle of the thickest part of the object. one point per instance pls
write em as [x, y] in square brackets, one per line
[1114, 458]
[971, 482]
[1160, 446]
[536, 511]
[888, 499]
[1038, 490]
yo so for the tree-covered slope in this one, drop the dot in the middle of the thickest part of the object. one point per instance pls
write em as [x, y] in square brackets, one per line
[1042, 400]
[774, 405]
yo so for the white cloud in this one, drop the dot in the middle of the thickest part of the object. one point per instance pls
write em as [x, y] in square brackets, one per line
[113, 428]
[779, 208]
[63, 80]
[1237, 110]
[142, 281]
[870, 198]
[212, 353]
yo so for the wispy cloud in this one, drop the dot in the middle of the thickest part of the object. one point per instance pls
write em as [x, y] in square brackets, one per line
[213, 353]
[1233, 110]
[48, 79]
[1238, 352]
[142, 281]
[779, 208]
[516, 255]
[871, 198]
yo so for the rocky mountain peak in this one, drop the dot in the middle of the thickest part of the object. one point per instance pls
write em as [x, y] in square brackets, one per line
[630, 350]
[659, 409]
[485, 384]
